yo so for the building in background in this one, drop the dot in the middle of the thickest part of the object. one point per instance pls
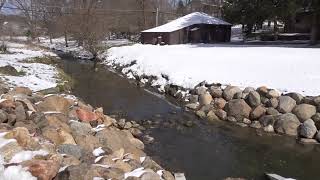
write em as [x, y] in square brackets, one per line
[193, 28]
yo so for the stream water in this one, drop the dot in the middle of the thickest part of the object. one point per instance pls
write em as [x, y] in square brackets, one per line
[202, 152]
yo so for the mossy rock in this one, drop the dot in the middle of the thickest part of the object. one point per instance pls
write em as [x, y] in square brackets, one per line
[11, 71]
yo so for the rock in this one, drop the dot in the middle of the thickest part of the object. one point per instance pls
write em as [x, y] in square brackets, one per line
[128, 125]
[192, 106]
[287, 124]
[207, 108]
[262, 90]
[221, 114]
[219, 103]
[246, 121]
[193, 98]
[88, 142]
[308, 100]
[253, 99]
[318, 136]
[86, 116]
[6, 104]
[23, 137]
[41, 169]
[247, 90]
[205, 99]
[3, 88]
[167, 175]
[238, 95]
[54, 103]
[258, 112]
[316, 100]
[304, 111]
[12, 119]
[179, 176]
[230, 91]
[216, 92]
[316, 119]
[20, 113]
[188, 123]
[80, 129]
[286, 104]
[296, 96]
[267, 120]
[150, 175]
[307, 141]
[231, 119]
[148, 139]
[148, 163]
[211, 116]
[238, 108]
[31, 126]
[273, 102]
[308, 129]
[21, 90]
[273, 94]
[201, 90]
[201, 114]
[242, 124]
[255, 124]
[3, 116]
[115, 139]
[70, 149]
[272, 111]
[122, 123]
[268, 128]
[136, 132]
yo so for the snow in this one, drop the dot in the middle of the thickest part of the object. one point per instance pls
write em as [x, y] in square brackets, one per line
[188, 20]
[98, 151]
[27, 155]
[135, 173]
[291, 69]
[37, 76]
[15, 173]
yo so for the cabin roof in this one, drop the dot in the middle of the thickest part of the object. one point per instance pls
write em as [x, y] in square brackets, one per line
[188, 20]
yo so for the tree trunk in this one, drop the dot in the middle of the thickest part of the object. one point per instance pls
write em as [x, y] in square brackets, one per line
[275, 30]
[66, 39]
[314, 29]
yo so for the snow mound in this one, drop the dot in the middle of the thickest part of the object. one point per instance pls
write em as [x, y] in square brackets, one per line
[188, 20]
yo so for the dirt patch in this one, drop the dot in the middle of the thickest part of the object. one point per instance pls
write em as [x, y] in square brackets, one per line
[11, 71]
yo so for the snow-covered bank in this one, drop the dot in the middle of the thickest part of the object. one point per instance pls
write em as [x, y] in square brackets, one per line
[36, 76]
[58, 44]
[282, 68]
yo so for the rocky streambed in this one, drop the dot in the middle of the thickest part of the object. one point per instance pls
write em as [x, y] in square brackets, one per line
[60, 137]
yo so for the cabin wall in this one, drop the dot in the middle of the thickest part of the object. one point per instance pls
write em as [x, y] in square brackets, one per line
[199, 33]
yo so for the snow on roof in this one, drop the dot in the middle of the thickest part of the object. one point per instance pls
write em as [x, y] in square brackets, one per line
[188, 20]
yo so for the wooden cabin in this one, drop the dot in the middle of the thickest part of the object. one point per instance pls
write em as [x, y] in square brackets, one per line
[193, 28]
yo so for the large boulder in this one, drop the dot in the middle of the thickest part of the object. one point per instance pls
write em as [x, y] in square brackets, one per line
[205, 99]
[254, 99]
[238, 108]
[318, 136]
[296, 96]
[216, 92]
[219, 103]
[273, 94]
[258, 112]
[54, 103]
[316, 119]
[304, 111]
[71, 149]
[286, 104]
[230, 91]
[308, 129]
[287, 124]
[267, 120]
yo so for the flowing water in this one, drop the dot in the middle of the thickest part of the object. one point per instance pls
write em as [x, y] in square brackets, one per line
[202, 152]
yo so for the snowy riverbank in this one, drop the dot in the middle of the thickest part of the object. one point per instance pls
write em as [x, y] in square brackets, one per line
[287, 69]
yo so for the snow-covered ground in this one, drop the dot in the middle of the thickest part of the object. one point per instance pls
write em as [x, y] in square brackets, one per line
[37, 76]
[73, 48]
[283, 68]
